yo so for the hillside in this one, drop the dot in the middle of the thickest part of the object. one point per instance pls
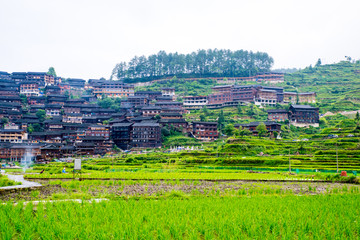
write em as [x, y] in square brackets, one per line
[337, 85]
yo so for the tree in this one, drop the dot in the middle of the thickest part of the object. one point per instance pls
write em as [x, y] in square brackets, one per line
[157, 117]
[250, 112]
[318, 63]
[203, 63]
[4, 120]
[41, 114]
[243, 132]
[23, 98]
[205, 110]
[202, 118]
[261, 129]
[51, 71]
[105, 102]
[37, 127]
[221, 120]
[165, 132]
[30, 128]
[239, 108]
[357, 117]
[229, 130]
[116, 148]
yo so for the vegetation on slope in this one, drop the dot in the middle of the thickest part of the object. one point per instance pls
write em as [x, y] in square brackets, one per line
[203, 63]
[337, 85]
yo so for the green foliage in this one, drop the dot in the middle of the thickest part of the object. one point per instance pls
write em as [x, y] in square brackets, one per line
[41, 114]
[261, 129]
[221, 120]
[337, 85]
[205, 111]
[184, 87]
[357, 117]
[4, 120]
[30, 128]
[180, 140]
[5, 181]
[105, 102]
[113, 103]
[243, 132]
[51, 71]
[229, 130]
[203, 63]
[318, 63]
[23, 99]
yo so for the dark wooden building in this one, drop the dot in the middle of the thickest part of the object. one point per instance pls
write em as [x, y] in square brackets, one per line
[179, 123]
[138, 100]
[151, 95]
[150, 110]
[146, 135]
[207, 131]
[304, 115]
[121, 134]
[270, 126]
[278, 115]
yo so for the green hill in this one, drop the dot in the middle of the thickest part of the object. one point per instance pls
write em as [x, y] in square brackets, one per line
[337, 85]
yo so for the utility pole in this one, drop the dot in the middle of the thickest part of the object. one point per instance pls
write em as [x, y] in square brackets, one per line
[289, 162]
[337, 158]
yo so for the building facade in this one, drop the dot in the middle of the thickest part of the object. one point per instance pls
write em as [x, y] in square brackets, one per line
[206, 131]
[304, 115]
[146, 135]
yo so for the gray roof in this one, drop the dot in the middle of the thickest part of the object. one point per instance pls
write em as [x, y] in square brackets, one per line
[181, 120]
[151, 108]
[122, 124]
[206, 123]
[277, 111]
[146, 124]
[254, 124]
[303, 107]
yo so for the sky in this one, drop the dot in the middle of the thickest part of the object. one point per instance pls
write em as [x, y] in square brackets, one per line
[86, 38]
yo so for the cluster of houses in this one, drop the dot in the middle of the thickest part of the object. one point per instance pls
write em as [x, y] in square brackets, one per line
[233, 95]
[79, 126]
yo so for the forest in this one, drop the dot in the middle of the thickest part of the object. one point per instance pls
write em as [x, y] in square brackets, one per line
[203, 63]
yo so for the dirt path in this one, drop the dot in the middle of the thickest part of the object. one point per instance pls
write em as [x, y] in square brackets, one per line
[24, 183]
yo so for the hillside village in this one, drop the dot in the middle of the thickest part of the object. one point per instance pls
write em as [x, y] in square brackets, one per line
[54, 117]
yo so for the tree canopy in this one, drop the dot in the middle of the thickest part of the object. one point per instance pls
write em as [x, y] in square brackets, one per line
[51, 71]
[261, 129]
[203, 63]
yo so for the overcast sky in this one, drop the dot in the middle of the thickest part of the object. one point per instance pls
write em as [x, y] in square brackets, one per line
[86, 38]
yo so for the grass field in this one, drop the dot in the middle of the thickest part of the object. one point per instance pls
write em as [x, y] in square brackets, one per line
[256, 217]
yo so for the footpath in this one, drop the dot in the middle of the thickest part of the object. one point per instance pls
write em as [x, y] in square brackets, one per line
[24, 184]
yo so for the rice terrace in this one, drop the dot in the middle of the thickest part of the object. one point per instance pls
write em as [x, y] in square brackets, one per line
[187, 195]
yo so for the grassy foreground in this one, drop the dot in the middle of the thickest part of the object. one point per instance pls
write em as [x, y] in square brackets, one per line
[259, 217]
[4, 181]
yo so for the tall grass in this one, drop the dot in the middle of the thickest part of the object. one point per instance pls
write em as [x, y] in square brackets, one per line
[259, 217]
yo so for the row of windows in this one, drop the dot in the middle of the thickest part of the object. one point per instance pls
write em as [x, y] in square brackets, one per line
[144, 129]
[98, 135]
[144, 136]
